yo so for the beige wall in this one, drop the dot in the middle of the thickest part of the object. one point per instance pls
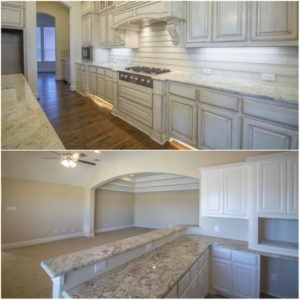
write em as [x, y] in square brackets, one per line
[113, 209]
[42, 210]
[62, 24]
[161, 209]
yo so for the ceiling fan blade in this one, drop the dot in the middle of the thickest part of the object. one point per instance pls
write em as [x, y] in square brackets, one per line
[50, 158]
[57, 153]
[86, 162]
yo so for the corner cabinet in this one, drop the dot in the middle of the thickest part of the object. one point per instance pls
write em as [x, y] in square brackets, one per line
[224, 191]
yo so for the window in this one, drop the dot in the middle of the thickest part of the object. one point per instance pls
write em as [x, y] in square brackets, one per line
[45, 43]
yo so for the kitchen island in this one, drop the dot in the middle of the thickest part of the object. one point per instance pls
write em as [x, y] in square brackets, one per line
[24, 124]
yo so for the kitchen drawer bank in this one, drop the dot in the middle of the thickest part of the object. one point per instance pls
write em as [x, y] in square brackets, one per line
[69, 270]
[205, 112]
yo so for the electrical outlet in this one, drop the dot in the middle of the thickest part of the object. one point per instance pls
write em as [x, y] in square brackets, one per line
[267, 77]
[274, 277]
[216, 228]
[206, 71]
[11, 208]
[100, 266]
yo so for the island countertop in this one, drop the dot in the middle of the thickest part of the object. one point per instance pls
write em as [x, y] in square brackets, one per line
[24, 124]
[154, 274]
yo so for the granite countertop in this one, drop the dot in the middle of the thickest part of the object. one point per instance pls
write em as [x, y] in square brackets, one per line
[68, 262]
[24, 124]
[244, 87]
[153, 274]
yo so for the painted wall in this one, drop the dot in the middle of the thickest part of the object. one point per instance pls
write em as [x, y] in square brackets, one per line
[285, 277]
[161, 209]
[42, 210]
[113, 210]
[156, 48]
[62, 24]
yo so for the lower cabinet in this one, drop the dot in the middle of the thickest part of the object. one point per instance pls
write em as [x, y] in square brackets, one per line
[92, 83]
[217, 128]
[80, 80]
[263, 135]
[235, 273]
[100, 86]
[183, 119]
[110, 90]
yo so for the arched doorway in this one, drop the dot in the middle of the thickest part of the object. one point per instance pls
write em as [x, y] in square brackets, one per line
[146, 200]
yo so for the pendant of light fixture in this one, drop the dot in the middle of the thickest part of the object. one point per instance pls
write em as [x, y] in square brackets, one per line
[69, 160]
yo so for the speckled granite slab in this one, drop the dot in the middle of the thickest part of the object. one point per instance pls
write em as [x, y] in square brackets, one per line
[153, 274]
[66, 263]
[24, 124]
[232, 85]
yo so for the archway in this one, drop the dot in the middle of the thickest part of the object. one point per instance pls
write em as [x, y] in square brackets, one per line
[147, 200]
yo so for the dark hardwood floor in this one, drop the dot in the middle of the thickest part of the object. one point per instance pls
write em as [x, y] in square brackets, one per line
[82, 124]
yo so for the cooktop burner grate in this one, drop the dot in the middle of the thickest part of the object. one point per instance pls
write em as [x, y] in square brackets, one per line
[147, 70]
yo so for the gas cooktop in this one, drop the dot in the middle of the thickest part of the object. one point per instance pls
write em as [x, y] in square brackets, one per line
[147, 70]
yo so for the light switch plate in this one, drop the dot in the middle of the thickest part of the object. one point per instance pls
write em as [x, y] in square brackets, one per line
[100, 266]
[216, 228]
[206, 71]
[267, 77]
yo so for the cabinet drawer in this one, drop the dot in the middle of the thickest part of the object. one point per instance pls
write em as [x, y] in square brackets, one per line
[136, 111]
[109, 73]
[100, 71]
[92, 69]
[182, 90]
[244, 258]
[139, 95]
[218, 99]
[278, 114]
[184, 283]
[221, 252]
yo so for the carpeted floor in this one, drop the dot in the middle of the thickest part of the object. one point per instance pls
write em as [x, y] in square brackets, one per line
[22, 275]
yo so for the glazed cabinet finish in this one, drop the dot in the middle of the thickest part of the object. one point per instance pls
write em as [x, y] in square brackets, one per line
[224, 192]
[274, 20]
[87, 29]
[12, 14]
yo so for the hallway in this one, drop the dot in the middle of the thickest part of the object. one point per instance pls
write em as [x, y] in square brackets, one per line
[82, 124]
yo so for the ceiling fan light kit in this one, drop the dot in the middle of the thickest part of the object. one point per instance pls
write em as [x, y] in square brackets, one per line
[68, 163]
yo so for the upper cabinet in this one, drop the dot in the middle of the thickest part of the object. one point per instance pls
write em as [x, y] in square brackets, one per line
[275, 20]
[12, 14]
[224, 192]
[87, 29]
[198, 21]
[241, 23]
[230, 21]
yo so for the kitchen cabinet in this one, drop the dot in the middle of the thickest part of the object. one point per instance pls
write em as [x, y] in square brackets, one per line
[183, 119]
[217, 128]
[101, 29]
[274, 20]
[198, 21]
[87, 29]
[230, 19]
[110, 90]
[224, 191]
[110, 32]
[260, 134]
[101, 86]
[235, 273]
[12, 14]
[81, 78]
[87, 7]
[92, 81]
[292, 187]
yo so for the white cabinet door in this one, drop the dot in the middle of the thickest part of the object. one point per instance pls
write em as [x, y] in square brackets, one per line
[203, 278]
[235, 191]
[183, 119]
[193, 291]
[198, 21]
[92, 83]
[110, 33]
[263, 135]
[271, 182]
[101, 29]
[101, 86]
[87, 29]
[110, 91]
[244, 283]
[12, 17]
[230, 19]
[274, 20]
[217, 128]
[212, 193]
[221, 277]
[292, 187]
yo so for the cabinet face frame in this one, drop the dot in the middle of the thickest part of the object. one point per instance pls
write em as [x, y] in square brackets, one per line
[292, 187]
[256, 14]
[241, 34]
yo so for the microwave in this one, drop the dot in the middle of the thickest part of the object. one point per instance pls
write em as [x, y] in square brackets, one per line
[87, 53]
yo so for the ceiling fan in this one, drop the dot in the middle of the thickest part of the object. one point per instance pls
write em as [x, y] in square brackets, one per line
[70, 160]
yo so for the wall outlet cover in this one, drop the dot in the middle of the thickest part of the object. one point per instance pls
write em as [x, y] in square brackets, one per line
[206, 71]
[267, 77]
[216, 228]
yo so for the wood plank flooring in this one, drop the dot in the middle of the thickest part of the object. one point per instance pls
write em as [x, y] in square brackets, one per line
[82, 124]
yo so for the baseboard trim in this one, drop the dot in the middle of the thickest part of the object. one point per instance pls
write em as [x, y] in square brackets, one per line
[112, 228]
[41, 241]
[148, 226]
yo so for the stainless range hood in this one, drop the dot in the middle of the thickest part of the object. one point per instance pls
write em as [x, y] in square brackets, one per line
[148, 13]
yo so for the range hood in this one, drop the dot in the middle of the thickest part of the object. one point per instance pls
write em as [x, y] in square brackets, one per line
[147, 13]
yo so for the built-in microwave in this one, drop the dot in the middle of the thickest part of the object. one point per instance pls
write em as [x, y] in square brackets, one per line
[87, 53]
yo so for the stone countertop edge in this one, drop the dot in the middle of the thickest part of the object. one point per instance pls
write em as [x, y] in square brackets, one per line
[248, 88]
[144, 240]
